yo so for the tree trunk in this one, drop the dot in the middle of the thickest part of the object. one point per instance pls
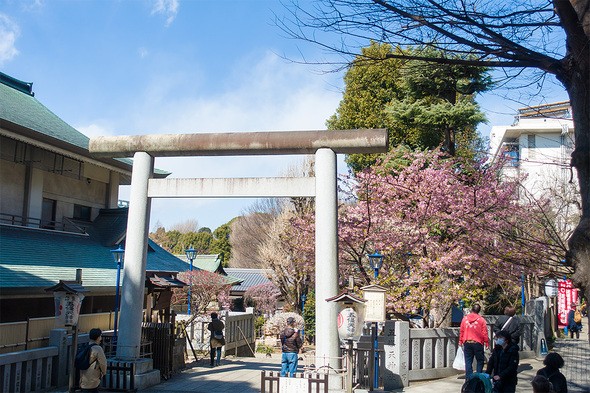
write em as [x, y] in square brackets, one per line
[578, 88]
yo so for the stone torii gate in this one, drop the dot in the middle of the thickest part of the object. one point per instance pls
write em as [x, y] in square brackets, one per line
[143, 149]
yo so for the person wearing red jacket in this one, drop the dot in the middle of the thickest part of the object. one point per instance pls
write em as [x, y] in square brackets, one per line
[473, 335]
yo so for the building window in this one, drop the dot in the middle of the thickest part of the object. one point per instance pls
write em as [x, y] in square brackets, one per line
[48, 213]
[532, 145]
[511, 151]
[82, 212]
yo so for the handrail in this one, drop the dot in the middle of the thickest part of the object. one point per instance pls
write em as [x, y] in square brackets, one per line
[35, 223]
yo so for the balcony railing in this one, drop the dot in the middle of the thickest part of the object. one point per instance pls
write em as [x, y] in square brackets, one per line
[30, 222]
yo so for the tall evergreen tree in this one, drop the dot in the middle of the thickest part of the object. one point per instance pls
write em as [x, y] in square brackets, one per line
[422, 105]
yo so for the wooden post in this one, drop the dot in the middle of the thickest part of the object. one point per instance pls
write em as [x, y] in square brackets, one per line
[27, 334]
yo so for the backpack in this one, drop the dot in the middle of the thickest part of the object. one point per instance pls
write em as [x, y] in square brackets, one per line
[218, 334]
[82, 361]
[578, 317]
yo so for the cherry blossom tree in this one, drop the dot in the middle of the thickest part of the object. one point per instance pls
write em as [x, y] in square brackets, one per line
[448, 229]
[206, 288]
[265, 297]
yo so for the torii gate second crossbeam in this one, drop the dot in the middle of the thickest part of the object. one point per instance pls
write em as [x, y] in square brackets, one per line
[324, 144]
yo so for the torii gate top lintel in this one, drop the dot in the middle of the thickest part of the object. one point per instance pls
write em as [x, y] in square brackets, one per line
[241, 143]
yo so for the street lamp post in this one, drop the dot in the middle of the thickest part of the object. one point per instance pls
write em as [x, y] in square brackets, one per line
[303, 297]
[191, 254]
[522, 291]
[376, 261]
[118, 258]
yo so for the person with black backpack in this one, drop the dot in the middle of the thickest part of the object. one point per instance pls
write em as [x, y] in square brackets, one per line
[553, 362]
[91, 362]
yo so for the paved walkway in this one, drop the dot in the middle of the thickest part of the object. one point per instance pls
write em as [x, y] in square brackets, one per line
[242, 375]
[576, 354]
[526, 372]
[237, 375]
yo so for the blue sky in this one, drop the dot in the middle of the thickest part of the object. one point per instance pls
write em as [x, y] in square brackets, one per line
[128, 67]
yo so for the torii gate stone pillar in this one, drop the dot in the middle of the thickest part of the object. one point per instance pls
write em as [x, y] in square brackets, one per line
[324, 144]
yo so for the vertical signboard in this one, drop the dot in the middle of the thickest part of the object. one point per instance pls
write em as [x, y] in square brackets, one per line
[375, 306]
[565, 297]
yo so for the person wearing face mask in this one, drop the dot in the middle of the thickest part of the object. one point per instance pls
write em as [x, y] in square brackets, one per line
[503, 364]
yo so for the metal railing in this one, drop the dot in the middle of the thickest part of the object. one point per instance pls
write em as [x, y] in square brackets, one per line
[36, 223]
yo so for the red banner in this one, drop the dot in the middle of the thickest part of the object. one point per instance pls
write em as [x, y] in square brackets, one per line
[566, 296]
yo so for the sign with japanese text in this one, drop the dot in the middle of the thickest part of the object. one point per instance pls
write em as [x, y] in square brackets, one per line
[375, 306]
[350, 323]
[565, 297]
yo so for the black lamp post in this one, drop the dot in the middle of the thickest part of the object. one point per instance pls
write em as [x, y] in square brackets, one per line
[118, 258]
[191, 254]
[376, 261]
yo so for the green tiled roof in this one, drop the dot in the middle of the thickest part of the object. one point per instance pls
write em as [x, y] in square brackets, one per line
[24, 110]
[210, 263]
[33, 258]
[19, 106]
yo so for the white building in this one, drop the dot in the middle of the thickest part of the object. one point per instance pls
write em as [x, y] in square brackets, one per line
[539, 145]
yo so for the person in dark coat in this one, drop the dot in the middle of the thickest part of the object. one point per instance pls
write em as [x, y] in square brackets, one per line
[503, 364]
[509, 323]
[572, 325]
[553, 362]
[217, 340]
[291, 344]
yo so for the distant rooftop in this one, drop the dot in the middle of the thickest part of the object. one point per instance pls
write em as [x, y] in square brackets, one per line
[210, 263]
[250, 277]
[561, 110]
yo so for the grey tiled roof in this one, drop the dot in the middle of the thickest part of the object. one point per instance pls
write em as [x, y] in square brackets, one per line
[251, 277]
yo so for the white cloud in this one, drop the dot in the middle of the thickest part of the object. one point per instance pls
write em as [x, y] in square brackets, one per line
[268, 94]
[32, 5]
[9, 32]
[143, 52]
[95, 130]
[168, 8]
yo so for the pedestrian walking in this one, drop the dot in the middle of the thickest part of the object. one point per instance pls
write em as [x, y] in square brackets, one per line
[509, 323]
[473, 336]
[553, 362]
[97, 364]
[217, 340]
[503, 364]
[541, 385]
[574, 321]
[291, 344]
